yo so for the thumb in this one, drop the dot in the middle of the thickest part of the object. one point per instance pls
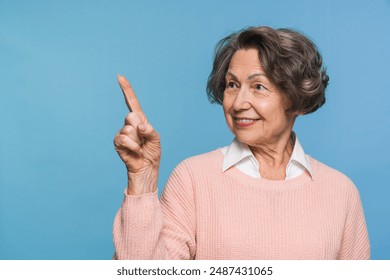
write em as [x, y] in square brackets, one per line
[141, 128]
[148, 132]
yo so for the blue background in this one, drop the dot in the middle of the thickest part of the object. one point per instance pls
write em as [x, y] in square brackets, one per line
[61, 182]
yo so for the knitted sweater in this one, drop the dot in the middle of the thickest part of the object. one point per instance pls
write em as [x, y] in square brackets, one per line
[205, 213]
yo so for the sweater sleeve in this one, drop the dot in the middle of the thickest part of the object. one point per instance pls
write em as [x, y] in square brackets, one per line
[146, 228]
[355, 244]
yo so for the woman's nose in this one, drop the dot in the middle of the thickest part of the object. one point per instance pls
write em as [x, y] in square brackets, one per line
[242, 100]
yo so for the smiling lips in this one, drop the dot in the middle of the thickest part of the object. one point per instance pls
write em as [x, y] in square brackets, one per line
[244, 122]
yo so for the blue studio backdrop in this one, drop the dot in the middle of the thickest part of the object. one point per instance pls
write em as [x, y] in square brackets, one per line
[61, 181]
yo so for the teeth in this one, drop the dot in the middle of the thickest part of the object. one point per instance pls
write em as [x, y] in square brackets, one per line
[245, 120]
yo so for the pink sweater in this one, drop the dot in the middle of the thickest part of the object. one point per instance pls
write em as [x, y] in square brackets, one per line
[206, 214]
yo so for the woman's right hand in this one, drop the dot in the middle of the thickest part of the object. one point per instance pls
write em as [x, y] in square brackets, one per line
[138, 145]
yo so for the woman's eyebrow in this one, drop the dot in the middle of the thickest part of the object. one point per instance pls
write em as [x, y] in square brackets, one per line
[256, 75]
[232, 75]
[250, 77]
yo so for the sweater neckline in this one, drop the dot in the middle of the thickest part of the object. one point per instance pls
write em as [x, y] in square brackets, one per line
[277, 185]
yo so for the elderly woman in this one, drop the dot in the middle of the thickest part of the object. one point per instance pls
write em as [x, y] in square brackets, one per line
[261, 197]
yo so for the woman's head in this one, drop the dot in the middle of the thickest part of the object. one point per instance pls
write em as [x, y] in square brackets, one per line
[290, 61]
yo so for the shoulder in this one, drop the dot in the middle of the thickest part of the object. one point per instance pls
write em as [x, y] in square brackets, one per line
[194, 170]
[332, 178]
[206, 161]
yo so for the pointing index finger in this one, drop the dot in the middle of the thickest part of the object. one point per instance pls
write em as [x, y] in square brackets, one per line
[130, 97]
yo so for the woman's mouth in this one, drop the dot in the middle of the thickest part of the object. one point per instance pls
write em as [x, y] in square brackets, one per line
[244, 122]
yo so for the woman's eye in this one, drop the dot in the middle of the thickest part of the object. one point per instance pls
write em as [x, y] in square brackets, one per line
[231, 85]
[259, 87]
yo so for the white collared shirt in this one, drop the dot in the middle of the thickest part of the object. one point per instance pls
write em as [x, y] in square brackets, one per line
[239, 155]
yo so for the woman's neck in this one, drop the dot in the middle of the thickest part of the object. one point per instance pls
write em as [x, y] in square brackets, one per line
[274, 157]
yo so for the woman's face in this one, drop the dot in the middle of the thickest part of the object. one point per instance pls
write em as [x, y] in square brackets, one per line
[254, 109]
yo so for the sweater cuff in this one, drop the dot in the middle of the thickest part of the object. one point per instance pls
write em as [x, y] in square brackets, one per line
[141, 200]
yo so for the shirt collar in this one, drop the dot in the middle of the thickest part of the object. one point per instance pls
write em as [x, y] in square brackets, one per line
[234, 153]
[237, 151]
[298, 155]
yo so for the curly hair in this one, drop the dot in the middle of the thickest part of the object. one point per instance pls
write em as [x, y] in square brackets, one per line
[290, 60]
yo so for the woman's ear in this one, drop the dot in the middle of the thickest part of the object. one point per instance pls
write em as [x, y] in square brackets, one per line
[294, 113]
